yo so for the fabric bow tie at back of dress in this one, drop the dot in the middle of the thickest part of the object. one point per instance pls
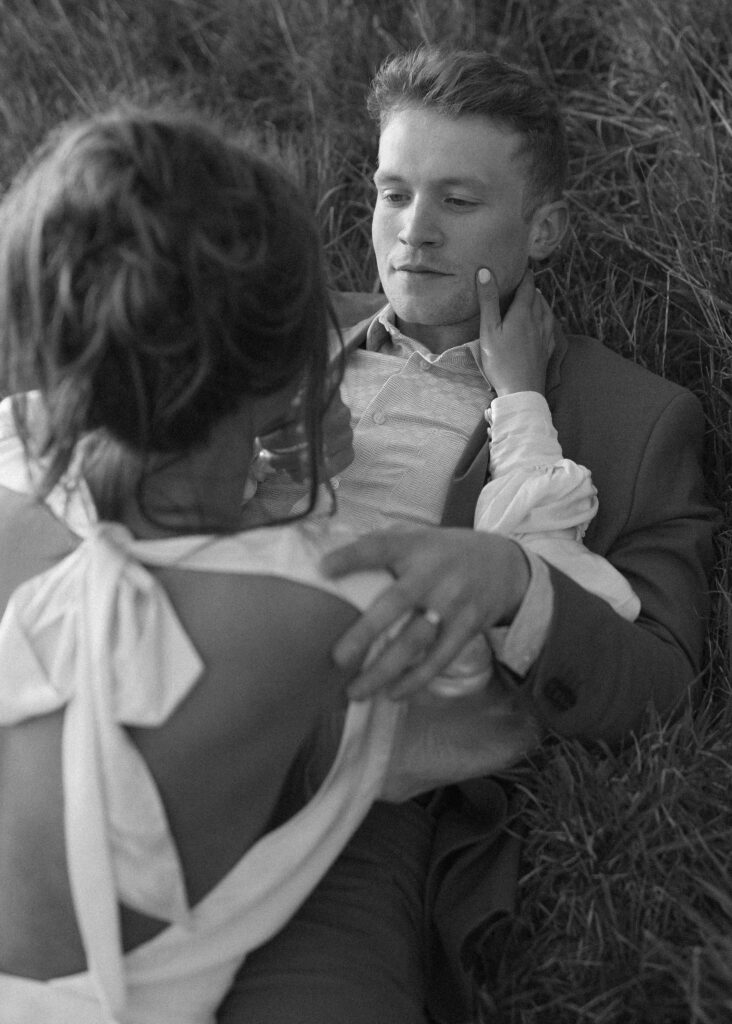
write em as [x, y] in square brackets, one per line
[97, 635]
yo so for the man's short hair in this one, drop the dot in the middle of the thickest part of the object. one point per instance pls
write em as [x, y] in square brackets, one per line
[459, 82]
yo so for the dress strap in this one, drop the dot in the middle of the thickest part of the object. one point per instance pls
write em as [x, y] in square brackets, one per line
[97, 635]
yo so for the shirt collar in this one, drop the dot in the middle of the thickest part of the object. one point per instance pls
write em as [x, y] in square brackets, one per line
[384, 335]
[381, 329]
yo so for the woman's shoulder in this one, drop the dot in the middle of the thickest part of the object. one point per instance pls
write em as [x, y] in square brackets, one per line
[32, 540]
[287, 552]
[260, 597]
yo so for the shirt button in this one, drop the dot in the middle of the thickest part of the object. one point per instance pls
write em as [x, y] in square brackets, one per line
[379, 417]
[335, 482]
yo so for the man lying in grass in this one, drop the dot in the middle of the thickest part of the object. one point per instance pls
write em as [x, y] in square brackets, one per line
[471, 175]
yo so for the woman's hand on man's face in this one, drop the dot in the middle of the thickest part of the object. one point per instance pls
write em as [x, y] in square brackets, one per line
[515, 348]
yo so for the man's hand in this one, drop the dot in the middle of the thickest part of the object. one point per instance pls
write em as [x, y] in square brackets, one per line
[514, 350]
[471, 580]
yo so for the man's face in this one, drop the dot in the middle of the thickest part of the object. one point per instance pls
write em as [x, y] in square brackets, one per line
[450, 199]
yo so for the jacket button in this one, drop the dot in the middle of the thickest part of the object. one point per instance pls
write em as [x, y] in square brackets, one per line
[559, 694]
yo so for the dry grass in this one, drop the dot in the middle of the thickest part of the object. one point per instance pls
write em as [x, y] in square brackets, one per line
[627, 865]
[627, 900]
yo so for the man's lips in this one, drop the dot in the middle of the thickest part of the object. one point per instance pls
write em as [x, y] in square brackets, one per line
[416, 268]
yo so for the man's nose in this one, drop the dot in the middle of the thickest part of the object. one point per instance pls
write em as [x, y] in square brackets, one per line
[419, 225]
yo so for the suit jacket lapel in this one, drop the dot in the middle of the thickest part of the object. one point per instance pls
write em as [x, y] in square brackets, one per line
[351, 339]
[472, 470]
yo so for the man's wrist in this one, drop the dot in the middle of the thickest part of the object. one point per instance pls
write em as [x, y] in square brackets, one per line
[518, 578]
[518, 645]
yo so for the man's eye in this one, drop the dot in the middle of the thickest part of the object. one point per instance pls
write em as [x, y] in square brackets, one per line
[394, 198]
[460, 202]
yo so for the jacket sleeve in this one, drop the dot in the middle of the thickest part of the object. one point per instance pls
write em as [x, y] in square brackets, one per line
[597, 673]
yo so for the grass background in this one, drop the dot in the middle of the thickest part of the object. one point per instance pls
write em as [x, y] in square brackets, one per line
[626, 912]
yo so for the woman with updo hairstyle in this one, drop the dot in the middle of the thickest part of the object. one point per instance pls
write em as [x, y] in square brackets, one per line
[180, 765]
[151, 276]
[163, 672]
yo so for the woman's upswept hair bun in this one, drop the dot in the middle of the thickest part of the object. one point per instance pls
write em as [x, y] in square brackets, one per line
[152, 275]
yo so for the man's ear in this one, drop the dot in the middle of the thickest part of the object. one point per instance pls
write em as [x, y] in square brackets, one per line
[548, 226]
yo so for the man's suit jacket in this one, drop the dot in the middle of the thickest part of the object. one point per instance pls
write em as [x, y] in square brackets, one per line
[641, 438]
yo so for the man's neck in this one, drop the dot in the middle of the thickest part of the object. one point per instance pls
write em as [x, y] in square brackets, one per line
[438, 338]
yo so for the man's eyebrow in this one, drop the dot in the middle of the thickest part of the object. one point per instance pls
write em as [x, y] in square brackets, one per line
[463, 182]
[385, 176]
[456, 181]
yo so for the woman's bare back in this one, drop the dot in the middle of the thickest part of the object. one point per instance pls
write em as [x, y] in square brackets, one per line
[222, 762]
